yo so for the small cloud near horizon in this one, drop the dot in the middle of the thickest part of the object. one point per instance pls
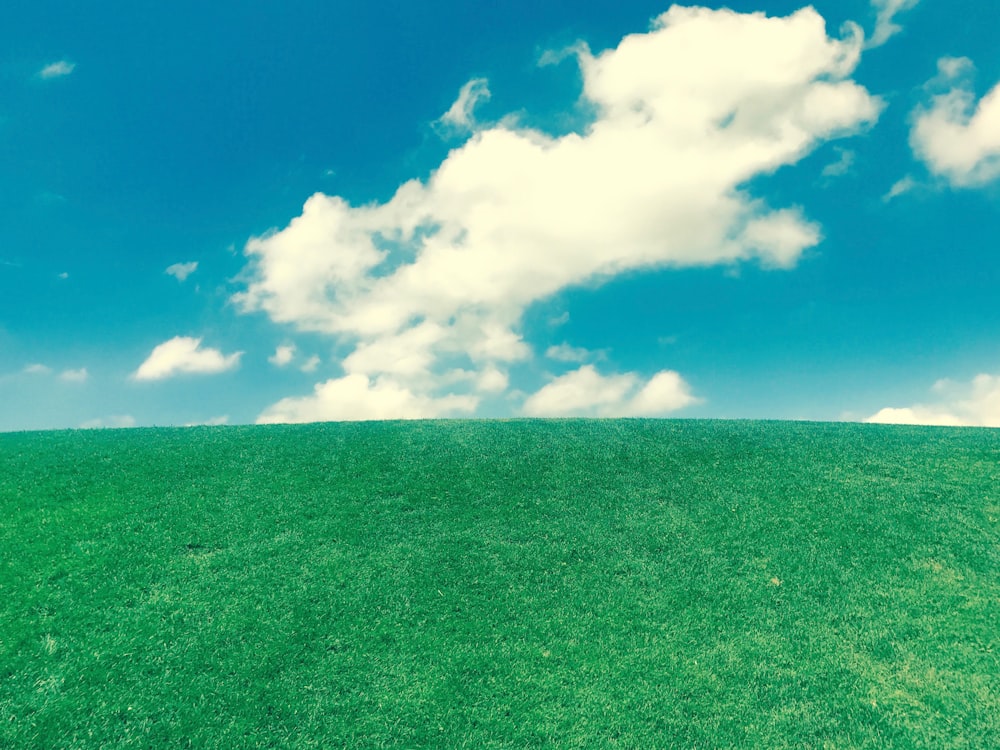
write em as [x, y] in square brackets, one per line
[113, 422]
[210, 422]
[973, 404]
[585, 392]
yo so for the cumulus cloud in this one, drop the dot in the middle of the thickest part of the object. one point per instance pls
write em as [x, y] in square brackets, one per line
[183, 354]
[460, 116]
[585, 392]
[492, 380]
[113, 422]
[355, 397]
[37, 369]
[74, 376]
[57, 69]
[957, 137]
[408, 353]
[181, 271]
[284, 354]
[685, 116]
[974, 404]
[885, 19]
[310, 364]
[665, 392]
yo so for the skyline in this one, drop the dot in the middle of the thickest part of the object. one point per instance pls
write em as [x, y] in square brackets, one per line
[226, 216]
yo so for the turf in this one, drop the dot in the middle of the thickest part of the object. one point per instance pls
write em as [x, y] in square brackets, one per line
[486, 584]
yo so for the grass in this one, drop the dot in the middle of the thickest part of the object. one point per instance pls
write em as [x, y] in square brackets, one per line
[623, 584]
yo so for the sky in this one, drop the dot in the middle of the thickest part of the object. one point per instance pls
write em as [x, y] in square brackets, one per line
[234, 213]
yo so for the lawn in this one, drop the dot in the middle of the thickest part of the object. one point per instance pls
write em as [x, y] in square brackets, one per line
[486, 584]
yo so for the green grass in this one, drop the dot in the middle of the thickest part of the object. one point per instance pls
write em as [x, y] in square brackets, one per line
[629, 584]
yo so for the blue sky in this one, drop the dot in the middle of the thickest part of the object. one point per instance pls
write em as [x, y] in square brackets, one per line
[309, 211]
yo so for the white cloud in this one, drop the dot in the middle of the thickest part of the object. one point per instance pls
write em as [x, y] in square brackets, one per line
[460, 117]
[57, 69]
[310, 364]
[492, 380]
[578, 392]
[976, 404]
[780, 237]
[921, 415]
[284, 354]
[74, 376]
[37, 369]
[665, 392]
[956, 136]
[585, 392]
[900, 187]
[885, 23]
[686, 115]
[182, 270]
[406, 354]
[113, 422]
[355, 397]
[566, 353]
[183, 354]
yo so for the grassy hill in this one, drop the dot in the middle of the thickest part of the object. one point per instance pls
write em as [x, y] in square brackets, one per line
[630, 584]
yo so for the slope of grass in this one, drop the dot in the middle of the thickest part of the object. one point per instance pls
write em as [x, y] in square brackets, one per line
[630, 584]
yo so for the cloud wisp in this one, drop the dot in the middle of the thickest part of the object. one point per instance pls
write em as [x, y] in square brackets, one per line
[79, 375]
[184, 355]
[567, 353]
[842, 165]
[885, 19]
[434, 282]
[181, 271]
[74, 376]
[58, 69]
[460, 117]
[900, 187]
